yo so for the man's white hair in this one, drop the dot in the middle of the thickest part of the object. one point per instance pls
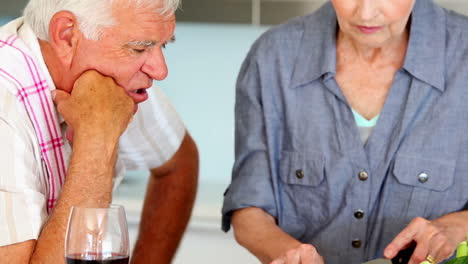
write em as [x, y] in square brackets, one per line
[92, 15]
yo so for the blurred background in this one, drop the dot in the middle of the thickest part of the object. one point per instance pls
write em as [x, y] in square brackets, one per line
[213, 37]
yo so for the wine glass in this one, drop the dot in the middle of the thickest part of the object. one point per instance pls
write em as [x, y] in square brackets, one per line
[97, 235]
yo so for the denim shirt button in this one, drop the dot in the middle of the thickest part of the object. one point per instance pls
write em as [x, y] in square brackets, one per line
[356, 243]
[423, 177]
[359, 214]
[363, 176]
[299, 174]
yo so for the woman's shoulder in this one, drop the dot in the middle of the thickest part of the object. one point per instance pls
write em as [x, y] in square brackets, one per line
[290, 33]
[456, 21]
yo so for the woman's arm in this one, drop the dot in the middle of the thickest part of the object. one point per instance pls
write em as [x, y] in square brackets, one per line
[257, 231]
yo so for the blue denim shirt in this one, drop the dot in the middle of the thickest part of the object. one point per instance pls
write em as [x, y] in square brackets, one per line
[299, 156]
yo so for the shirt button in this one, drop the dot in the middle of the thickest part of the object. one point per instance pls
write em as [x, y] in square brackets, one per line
[363, 175]
[359, 214]
[356, 243]
[423, 177]
[299, 174]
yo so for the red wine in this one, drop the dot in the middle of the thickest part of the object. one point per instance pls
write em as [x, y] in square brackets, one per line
[115, 259]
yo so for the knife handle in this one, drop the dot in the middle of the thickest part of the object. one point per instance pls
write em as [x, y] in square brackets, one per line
[404, 255]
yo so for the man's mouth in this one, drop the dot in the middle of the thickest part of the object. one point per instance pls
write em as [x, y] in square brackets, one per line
[139, 95]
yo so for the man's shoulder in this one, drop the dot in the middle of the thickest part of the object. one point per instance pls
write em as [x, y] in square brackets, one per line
[10, 29]
[18, 66]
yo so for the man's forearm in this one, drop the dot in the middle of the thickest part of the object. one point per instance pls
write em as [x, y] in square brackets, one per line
[88, 184]
[167, 207]
[257, 231]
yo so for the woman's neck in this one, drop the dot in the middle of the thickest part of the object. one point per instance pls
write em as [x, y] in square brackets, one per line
[392, 52]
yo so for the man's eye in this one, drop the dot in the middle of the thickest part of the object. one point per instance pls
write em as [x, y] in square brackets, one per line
[138, 51]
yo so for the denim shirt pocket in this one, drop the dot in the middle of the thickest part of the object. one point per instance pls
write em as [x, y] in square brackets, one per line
[426, 181]
[306, 169]
[428, 174]
[301, 177]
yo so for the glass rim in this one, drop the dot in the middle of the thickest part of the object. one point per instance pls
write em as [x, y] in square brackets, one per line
[111, 206]
[113, 209]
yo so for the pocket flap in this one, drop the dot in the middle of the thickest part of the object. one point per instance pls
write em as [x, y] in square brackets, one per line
[430, 174]
[302, 168]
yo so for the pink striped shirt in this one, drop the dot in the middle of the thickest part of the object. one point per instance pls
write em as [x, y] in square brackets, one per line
[34, 154]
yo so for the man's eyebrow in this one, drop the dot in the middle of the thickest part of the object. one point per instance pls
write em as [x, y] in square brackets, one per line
[147, 43]
[141, 43]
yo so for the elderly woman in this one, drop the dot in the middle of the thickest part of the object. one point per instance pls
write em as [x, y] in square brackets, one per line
[349, 135]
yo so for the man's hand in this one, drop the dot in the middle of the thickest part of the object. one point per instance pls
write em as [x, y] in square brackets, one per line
[97, 106]
[438, 238]
[304, 254]
[98, 111]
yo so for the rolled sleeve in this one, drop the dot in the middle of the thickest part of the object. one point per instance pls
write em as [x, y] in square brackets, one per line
[22, 199]
[21, 216]
[251, 184]
[154, 135]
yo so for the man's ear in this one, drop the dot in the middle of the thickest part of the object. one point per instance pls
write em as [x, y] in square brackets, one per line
[64, 36]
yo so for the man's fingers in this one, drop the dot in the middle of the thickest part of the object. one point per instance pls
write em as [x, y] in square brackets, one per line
[69, 134]
[59, 96]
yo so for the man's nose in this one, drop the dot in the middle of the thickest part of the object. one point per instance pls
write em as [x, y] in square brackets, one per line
[155, 66]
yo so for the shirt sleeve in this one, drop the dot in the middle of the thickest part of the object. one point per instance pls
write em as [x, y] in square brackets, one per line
[22, 198]
[154, 135]
[251, 184]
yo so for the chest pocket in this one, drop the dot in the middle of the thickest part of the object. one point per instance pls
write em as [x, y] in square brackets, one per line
[424, 173]
[306, 169]
[303, 193]
[424, 183]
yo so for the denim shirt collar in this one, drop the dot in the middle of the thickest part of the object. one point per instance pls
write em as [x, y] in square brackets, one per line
[425, 55]
[317, 51]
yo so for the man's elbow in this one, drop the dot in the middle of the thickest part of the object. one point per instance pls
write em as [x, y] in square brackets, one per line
[184, 162]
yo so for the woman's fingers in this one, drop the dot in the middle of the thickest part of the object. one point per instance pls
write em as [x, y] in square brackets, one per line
[435, 240]
[309, 255]
[304, 254]
[441, 248]
[293, 257]
[403, 239]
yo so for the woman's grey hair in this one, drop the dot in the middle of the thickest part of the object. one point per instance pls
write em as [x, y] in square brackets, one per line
[92, 15]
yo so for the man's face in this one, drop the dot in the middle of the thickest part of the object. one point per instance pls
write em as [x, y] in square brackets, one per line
[130, 52]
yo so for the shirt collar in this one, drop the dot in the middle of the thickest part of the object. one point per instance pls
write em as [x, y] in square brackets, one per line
[26, 34]
[425, 56]
[317, 51]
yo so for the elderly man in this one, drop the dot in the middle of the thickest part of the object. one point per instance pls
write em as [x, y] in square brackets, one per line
[95, 60]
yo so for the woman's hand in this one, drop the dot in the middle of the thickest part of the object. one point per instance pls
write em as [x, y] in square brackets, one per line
[304, 254]
[437, 238]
